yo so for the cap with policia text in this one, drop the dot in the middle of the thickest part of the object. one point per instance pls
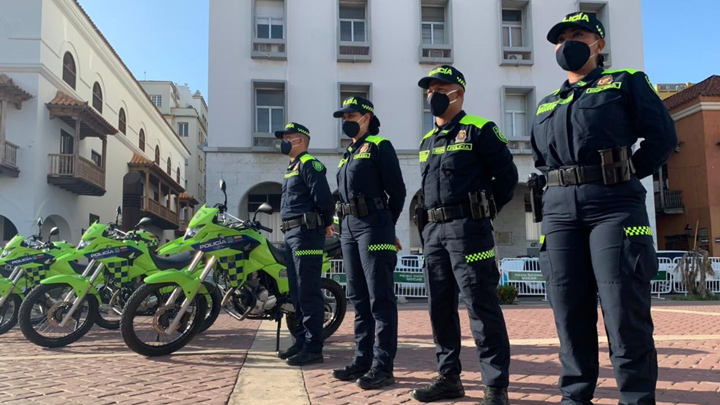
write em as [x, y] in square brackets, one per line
[293, 128]
[444, 73]
[576, 20]
[355, 104]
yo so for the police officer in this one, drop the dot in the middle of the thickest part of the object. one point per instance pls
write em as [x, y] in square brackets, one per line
[468, 174]
[372, 194]
[307, 215]
[597, 236]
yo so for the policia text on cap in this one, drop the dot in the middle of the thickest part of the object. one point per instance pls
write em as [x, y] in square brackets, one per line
[597, 237]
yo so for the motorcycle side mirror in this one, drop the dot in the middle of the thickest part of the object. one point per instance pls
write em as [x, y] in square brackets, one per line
[39, 222]
[118, 212]
[265, 208]
[53, 232]
[223, 188]
[143, 223]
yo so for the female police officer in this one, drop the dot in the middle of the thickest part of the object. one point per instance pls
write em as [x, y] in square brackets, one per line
[598, 238]
[372, 194]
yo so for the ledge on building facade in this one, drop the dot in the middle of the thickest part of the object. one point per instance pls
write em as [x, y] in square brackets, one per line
[273, 49]
[349, 51]
[436, 54]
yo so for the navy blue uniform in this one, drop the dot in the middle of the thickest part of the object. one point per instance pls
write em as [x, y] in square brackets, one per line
[597, 238]
[467, 154]
[305, 190]
[370, 168]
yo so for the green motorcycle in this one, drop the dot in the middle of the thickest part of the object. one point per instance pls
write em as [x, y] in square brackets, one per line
[118, 262]
[251, 271]
[31, 261]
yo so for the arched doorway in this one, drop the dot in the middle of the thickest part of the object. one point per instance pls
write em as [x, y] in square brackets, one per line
[57, 221]
[268, 192]
[7, 230]
[415, 244]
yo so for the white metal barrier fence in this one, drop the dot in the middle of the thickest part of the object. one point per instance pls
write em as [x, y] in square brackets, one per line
[408, 276]
[712, 282]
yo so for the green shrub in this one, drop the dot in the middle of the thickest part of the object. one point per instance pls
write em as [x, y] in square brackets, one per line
[507, 294]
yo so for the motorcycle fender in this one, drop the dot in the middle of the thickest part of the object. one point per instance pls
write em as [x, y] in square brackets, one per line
[6, 287]
[188, 283]
[78, 283]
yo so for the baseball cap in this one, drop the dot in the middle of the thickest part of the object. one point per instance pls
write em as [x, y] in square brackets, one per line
[577, 19]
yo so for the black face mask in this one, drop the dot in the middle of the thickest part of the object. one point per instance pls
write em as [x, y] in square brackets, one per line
[285, 147]
[572, 55]
[351, 128]
[439, 103]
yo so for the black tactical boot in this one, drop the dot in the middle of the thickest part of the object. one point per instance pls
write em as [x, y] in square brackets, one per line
[375, 378]
[495, 396]
[442, 387]
[305, 359]
[351, 372]
[291, 351]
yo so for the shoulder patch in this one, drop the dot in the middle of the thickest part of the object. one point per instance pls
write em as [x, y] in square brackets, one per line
[304, 158]
[499, 134]
[317, 165]
[479, 122]
[630, 71]
[375, 139]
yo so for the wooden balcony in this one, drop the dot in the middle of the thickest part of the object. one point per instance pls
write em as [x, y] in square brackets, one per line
[8, 159]
[670, 202]
[76, 174]
[161, 215]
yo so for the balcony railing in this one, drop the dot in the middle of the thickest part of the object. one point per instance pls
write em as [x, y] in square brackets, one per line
[436, 53]
[8, 159]
[79, 175]
[670, 202]
[153, 207]
[264, 48]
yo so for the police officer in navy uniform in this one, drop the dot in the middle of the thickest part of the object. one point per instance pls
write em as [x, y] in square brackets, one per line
[597, 236]
[372, 194]
[307, 218]
[468, 175]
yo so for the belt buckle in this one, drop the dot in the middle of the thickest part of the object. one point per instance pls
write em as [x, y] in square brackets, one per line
[572, 177]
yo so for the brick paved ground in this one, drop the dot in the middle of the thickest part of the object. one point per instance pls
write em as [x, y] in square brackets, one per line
[688, 341]
[100, 369]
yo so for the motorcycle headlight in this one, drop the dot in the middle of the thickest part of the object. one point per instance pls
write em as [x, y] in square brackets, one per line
[84, 243]
[191, 232]
[4, 253]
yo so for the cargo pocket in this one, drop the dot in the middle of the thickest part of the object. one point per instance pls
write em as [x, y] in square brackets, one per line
[638, 260]
[545, 265]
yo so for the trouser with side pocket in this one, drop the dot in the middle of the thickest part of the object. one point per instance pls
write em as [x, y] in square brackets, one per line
[594, 246]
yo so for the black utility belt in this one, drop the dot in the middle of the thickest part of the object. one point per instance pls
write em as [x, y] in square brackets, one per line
[361, 206]
[479, 207]
[311, 220]
[616, 168]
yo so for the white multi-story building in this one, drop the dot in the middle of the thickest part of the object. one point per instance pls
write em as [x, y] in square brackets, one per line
[78, 134]
[187, 113]
[273, 61]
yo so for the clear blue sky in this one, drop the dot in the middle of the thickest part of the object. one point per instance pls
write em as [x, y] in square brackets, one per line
[168, 39]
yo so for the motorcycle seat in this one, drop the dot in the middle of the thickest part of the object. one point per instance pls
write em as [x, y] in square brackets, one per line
[77, 267]
[177, 262]
[278, 253]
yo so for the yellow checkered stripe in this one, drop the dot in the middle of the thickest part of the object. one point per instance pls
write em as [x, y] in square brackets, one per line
[382, 247]
[308, 252]
[119, 272]
[232, 265]
[36, 274]
[638, 231]
[542, 239]
[476, 257]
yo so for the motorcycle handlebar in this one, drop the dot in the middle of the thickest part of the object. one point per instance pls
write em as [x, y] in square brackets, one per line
[264, 228]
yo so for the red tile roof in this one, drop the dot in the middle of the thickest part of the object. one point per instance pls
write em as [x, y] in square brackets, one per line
[709, 87]
[17, 93]
[64, 99]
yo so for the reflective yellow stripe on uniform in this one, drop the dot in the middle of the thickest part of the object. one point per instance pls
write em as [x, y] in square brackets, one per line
[292, 174]
[424, 154]
[543, 108]
[638, 231]
[308, 252]
[382, 247]
[476, 257]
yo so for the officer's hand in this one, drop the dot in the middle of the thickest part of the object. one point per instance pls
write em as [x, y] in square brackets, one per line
[329, 230]
[397, 244]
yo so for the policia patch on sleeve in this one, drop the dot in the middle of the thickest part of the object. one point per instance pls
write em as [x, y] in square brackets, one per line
[499, 134]
[317, 165]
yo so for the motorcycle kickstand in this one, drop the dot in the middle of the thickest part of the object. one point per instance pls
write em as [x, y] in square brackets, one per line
[277, 336]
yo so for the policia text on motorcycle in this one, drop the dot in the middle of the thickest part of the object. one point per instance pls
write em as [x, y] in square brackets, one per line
[468, 175]
[372, 194]
[597, 237]
[307, 215]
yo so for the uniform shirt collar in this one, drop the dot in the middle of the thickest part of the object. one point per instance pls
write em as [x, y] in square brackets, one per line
[297, 158]
[354, 145]
[589, 78]
[449, 126]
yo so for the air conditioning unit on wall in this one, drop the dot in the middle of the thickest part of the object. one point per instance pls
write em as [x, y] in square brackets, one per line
[515, 56]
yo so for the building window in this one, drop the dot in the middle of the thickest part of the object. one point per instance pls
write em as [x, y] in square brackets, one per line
[67, 143]
[518, 107]
[69, 70]
[122, 121]
[156, 99]
[141, 142]
[96, 158]
[201, 166]
[433, 25]
[435, 32]
[97, 102]
[428, 118]
[157, 155]
[348, 90]
[515, 27]
[354, 44]
[269, 33]
[169, 166]
[177, 175]
[269, 110]
[183, 128]
[600, 10]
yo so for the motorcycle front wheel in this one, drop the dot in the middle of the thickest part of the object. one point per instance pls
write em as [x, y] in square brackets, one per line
[9, 313]
[335, 308]
[147, 317]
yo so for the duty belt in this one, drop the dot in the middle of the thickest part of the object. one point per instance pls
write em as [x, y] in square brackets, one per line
[372, 204]
[294, 223]
[573, 175]
[452, 212]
